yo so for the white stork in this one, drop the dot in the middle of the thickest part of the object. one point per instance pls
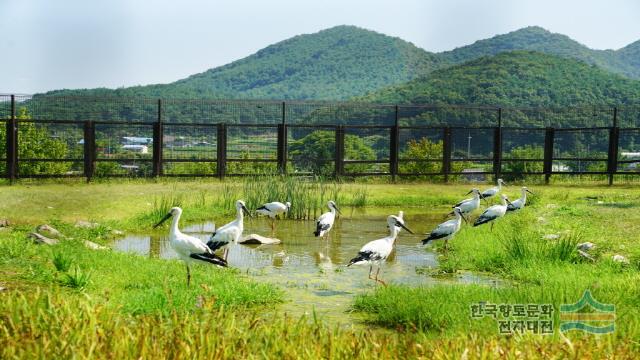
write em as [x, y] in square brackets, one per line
[377, 251]
[492, 191]
[189, 248]
[521, 202]
[493, 212]
[326, 220]
[467, 206]
[273, 209]
[447, 229]
[229, 233]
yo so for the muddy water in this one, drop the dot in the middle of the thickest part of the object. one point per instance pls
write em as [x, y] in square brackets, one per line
[312, 270]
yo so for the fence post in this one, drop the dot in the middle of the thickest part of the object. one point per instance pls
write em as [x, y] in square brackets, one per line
[446, 153]
[221, 156]
[89, 149]
[282, 148]
[339, 152]
[158, 142]
[548, 153]
[614, 136]
[282, 142]
[12, 143]
[393, 147]
[497, 147]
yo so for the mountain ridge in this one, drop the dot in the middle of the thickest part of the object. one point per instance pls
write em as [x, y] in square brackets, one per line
[346, 62]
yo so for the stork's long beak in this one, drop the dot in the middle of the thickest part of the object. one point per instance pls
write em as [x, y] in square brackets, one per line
[529, 192]
[163, 220]
[464, 218]
[338, 210]
[508, 202]
[470, 191]
[246, 211]
[398, 223]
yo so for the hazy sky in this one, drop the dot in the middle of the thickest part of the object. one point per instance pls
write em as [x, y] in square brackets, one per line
[53, 44]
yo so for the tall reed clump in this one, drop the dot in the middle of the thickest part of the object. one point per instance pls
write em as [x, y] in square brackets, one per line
[308, 197]
[520, 242]
[164, 203]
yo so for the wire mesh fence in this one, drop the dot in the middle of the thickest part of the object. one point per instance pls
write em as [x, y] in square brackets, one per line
[51, 136]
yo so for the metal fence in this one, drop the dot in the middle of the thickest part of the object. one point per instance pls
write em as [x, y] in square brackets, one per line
[49, 136]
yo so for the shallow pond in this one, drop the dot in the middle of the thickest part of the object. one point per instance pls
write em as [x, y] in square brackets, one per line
[313, 270]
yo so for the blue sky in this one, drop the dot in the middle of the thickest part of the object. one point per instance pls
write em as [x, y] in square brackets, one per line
[46, 45]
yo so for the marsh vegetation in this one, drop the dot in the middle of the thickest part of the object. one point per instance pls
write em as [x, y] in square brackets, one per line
[72, 301]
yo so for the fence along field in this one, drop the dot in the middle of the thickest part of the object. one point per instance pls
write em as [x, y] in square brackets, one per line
[49, 136]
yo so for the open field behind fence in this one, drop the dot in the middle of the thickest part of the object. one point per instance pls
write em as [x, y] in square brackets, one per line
[100, 137]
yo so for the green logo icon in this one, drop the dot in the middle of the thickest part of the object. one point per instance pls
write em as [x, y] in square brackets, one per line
[588, 315]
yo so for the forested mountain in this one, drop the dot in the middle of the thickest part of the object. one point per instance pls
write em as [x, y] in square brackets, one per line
[346, 62]
[519, 78]
[625, 61]
[333, 64]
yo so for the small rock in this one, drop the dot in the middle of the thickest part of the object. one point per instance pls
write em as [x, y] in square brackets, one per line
[258, 239]
[93, 246]
[551, 237]
[2, 288]
[599, 202]
[586, 246]
[86, 224]
[117, 232]
[49, 231]
[551, 206]
[4, 223]
[541, 219]
[620, 259]
[41, 239]
[585, 255]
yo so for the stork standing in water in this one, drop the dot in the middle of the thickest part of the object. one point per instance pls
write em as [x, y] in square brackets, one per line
[189, 248]
[467, 206]
[447, 229]
[272, 210]
[492, 191]
[521, 202]
[229, 233]
[493, 212]
[326, 220]
[377, 251]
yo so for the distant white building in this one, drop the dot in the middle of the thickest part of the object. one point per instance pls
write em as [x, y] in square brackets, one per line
[560, 167]
[141, 149]
[135, 140]
[630, 154]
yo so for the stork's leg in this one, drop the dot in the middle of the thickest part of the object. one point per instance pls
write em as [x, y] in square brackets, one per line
[492, 227]
[446, 244]
[370, 268]
[225, 253]
[273, 224]
[379, 280]
[188, 276]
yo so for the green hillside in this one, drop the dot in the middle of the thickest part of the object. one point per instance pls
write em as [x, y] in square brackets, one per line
[625, 61]
[333, 64]
[520, 78]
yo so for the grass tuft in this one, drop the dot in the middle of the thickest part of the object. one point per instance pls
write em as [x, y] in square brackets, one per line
[61, 261]
[77, 279]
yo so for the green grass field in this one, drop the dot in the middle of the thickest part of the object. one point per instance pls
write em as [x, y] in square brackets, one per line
[67, 301]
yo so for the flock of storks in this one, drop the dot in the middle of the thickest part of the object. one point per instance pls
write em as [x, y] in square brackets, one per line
[375, 252]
